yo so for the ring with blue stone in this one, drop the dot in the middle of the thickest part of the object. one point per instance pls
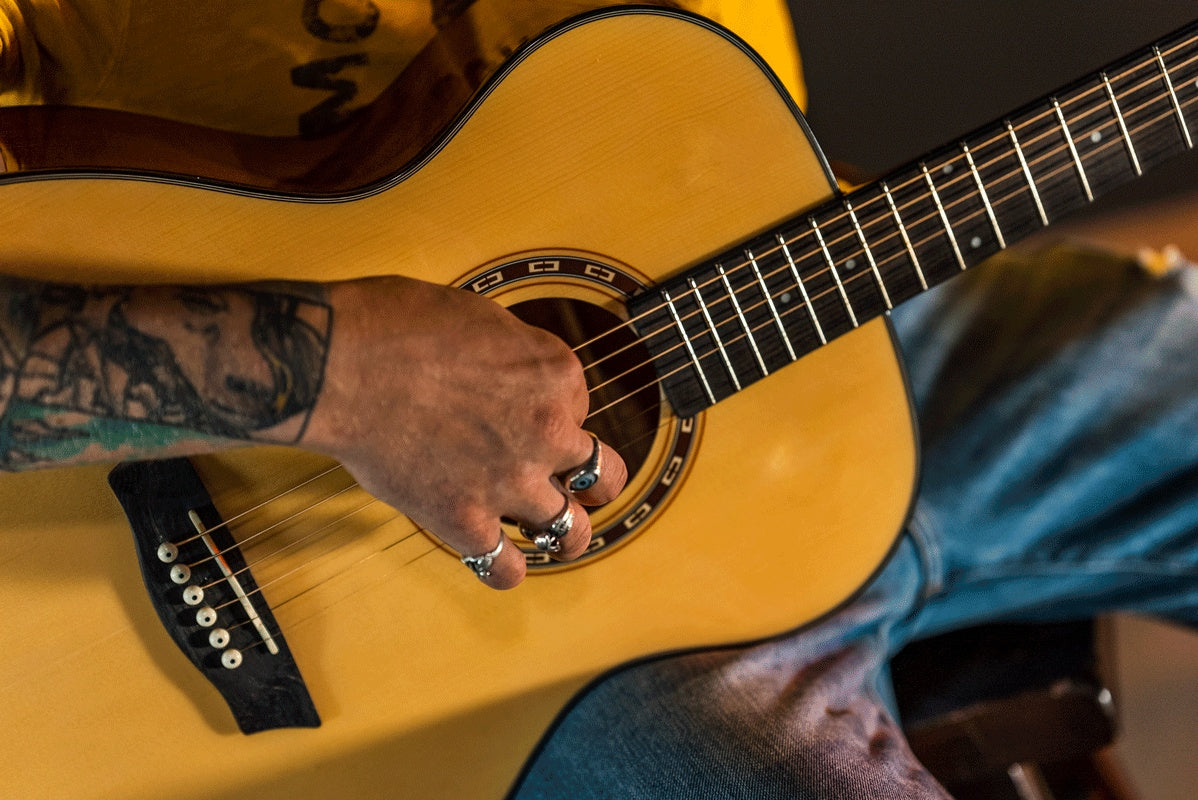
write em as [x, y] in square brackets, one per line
[587, 475]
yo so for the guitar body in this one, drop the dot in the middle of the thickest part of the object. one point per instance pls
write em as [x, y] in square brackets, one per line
[636, 142]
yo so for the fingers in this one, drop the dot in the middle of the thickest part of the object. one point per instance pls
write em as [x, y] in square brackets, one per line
[564, 534]
[596, 476]
[550, 516]
[612, 477]
[499, 564]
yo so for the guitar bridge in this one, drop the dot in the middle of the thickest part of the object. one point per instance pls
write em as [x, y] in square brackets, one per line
[206, 597]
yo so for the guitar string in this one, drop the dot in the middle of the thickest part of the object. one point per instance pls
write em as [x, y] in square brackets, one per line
[354, 565]
[309, 537]
[293, 624]
[965, 177]
[264, 531]
[256, 536]
[305, 539]
[434, 547]
[800, 306]
[946, 188]
[310, 562]
[418, 530]
[613, 403]
[263, 504]
[313, 534]
[931, 218]
[1052, 131]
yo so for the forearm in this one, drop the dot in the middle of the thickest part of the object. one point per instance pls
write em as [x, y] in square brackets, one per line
[103, 373]
[439, 402]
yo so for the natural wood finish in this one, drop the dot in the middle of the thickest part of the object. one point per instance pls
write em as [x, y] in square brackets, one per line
[644, 139]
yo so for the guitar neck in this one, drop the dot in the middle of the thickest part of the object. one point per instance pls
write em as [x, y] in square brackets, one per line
[764, 303]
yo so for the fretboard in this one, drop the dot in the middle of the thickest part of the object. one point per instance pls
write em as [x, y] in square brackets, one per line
[766, 302]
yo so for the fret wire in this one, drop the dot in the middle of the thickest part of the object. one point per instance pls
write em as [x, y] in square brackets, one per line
[785, 249]
[782, 242]
[819, 329]
[1068, 141]
[943, 216]
[1084, 93]
[765, 291]
[1060, 116]
[985, 198]
[1057, 109]
[740, 315]
[1065, 127]
[719, 343]
[686, 341]
[868, 254]
[1027, 173]
[923, 283]
[1131, 149]
[1081, 171]
[835, 274]
[1181, 119]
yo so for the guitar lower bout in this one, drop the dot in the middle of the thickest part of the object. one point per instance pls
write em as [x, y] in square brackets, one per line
[581, 298]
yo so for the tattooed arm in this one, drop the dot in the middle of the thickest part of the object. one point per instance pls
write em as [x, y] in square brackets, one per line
[440, 402]
[93, 374]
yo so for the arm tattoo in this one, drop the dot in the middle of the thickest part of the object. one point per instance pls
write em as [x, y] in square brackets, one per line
[110, 371]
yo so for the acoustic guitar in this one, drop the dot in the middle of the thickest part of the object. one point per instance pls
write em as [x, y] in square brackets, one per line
[635, 180]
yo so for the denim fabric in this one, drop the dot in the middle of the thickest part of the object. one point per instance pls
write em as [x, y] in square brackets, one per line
[1059, 424]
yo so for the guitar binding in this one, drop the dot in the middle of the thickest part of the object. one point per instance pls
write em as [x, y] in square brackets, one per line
[221, 623]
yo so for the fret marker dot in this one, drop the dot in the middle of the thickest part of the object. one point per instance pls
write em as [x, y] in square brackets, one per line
[975, 242]
[850, 264]
[785, 298]
[1096, 137]
[947, 169]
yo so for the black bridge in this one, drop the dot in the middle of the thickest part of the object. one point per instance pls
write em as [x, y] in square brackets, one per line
[206, 597]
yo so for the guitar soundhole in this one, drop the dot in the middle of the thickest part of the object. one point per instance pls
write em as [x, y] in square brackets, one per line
[623, 382]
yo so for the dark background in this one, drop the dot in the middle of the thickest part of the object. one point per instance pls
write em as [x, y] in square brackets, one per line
[890, 79]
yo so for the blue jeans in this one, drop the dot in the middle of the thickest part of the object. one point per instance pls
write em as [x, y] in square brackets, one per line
[1059, 425]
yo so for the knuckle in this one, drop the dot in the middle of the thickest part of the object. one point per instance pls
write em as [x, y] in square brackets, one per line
[563, 366]
[528, 479]
[466, 523]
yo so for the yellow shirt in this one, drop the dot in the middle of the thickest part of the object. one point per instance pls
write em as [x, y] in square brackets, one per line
[280, 66]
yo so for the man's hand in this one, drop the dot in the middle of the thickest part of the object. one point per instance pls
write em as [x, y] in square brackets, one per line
[444, 405]
[440, 402]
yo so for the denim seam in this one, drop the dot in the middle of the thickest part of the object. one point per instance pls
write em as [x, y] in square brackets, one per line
[1088, 567]
[922, 531]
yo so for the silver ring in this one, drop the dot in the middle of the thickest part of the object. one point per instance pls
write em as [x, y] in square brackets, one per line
[549, 538]
[587, 475]
[481, 565]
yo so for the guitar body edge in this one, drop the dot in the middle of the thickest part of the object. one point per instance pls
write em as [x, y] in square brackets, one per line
[639, 139]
